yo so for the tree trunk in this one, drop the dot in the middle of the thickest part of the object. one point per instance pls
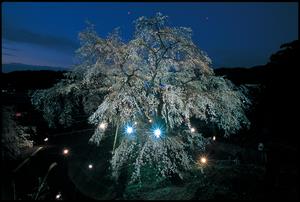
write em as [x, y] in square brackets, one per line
[116, 134]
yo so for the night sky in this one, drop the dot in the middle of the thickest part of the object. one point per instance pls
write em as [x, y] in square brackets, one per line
[232, 34]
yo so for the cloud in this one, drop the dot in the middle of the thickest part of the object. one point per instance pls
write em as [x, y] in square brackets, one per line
[8, 54]
[8, 48]
[26, 36]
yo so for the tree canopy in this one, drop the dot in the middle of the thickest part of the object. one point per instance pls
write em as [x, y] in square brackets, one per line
[158, 80]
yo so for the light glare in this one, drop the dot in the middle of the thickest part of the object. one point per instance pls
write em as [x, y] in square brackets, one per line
[58, 196]
[65, 151]
[157, 132]
[129, 129]
[102, 125]
[203, 160]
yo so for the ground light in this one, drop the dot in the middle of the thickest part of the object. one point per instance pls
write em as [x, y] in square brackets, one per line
[203, 160]
[129, 129]
[90, 166]
[58, 196]
[65, 152]
[102, 125]
[157, 132]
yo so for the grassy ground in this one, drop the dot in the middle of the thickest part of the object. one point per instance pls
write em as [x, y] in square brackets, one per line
[221, 179]
[217, 182]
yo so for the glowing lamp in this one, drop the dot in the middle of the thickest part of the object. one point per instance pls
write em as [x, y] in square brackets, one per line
[214, 138]
[157, 132]
[193, 130]
[65, 151]
[203, 160]
[129, 129]
[90, 166]
[102, 126]
[150, 121]
[58, 196]
[46, 139]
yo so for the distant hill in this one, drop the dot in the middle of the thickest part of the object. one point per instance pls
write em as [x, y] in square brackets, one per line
[11, 67]
[278, 71]
[21, 81]
[241, 75]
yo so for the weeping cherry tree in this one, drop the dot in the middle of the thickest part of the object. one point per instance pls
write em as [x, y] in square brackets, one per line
[151, 86]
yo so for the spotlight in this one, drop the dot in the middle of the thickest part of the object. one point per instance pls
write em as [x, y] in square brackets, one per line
[157, 132]
[150, 121]
[90, 166]
[129, 129]
[58, 196]
[102, 125]
[203, 160]
[65, 151]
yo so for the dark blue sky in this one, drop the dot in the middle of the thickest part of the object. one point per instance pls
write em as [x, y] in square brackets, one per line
[232, 34]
